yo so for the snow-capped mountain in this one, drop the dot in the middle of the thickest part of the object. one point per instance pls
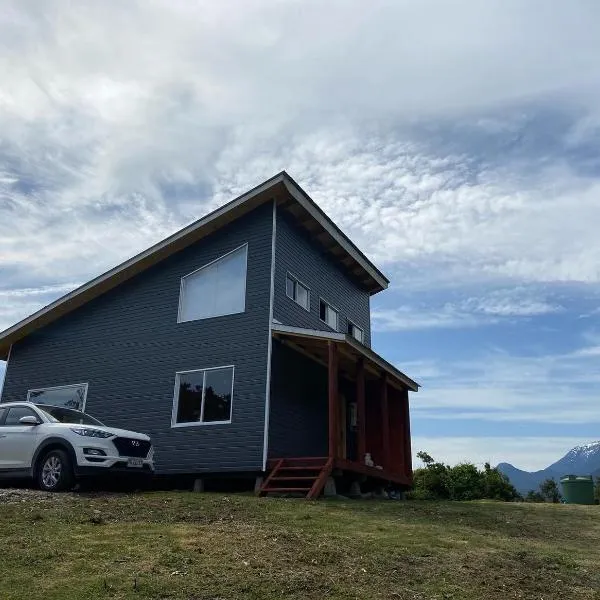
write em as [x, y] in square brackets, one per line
[581, 460]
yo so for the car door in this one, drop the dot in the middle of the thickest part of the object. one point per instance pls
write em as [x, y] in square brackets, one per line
[17, 441]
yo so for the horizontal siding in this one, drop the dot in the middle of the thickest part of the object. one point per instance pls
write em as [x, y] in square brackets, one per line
[128, 345]
[296, 254]
[298, 422]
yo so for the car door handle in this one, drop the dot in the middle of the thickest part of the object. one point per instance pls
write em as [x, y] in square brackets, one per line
[2, 435]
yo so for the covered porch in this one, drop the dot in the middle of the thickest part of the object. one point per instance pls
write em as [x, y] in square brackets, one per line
[359, 405]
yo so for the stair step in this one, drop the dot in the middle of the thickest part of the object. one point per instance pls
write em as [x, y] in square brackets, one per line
[294, 478]
[300, 458]
[296, 468]
[286, 489]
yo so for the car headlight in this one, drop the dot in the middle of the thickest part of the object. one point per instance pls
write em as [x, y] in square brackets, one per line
[86, 431]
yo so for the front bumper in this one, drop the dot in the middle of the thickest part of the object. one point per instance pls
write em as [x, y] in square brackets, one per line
[98, 455]
[120, 467]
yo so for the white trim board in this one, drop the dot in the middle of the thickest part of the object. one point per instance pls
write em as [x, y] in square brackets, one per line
[270, 341]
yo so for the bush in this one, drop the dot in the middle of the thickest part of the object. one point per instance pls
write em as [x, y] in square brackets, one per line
[437, 481]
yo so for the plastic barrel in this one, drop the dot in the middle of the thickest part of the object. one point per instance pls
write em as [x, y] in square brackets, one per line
[578, 489]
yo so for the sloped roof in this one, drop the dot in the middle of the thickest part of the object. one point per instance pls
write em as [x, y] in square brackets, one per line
[281, 188]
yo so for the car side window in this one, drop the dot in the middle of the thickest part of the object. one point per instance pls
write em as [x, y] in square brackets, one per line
[18, 412]
[2, 413]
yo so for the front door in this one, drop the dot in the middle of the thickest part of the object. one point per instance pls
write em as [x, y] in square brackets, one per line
[17, 442]
[342, 427]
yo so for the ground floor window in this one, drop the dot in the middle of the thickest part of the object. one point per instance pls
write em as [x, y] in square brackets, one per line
[203, 396]
[68, 396]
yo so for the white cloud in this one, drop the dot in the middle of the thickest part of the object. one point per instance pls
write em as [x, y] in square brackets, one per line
[495, 307]
[527, 453]
[500, 388]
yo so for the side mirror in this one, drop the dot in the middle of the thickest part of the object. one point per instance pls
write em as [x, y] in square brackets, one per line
[29, 420]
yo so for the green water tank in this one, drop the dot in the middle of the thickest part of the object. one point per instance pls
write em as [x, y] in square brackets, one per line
[578, 489]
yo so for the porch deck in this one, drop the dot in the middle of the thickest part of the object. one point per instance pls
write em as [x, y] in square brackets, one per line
[308, 475]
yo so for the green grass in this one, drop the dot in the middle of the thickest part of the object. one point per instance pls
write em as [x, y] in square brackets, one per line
[180, 545]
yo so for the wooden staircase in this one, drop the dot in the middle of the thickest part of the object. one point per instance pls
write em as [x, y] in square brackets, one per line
[306, 476]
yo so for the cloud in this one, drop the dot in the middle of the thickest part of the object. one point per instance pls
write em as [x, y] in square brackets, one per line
[16, 304]
[501, 388]
[496, 307]
[527, 453]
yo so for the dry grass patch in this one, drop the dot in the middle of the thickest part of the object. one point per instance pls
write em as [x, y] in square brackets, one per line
[207, 546]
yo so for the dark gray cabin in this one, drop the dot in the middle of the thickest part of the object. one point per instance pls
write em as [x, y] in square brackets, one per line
[240, 341]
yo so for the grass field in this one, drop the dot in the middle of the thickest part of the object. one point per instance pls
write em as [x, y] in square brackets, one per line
[176, 545]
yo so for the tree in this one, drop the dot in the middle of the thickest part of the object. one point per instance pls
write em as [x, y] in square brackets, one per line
[533, 496]
[498, 486]
[549, 491]
[597, 490]
[425, 458]
[437, 481]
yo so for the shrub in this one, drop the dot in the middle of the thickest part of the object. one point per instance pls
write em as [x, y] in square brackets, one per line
[438, 481]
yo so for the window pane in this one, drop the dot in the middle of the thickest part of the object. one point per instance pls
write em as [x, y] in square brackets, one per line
[301, 295]
[189, 405]
[357, 333]
[68, 397]
[230, 295]
[332, 318]
[323, 311]
[289, 287]
[217, 396]
[14, 414]
[218, 289]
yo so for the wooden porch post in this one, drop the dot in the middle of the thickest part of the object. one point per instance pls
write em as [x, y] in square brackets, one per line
[385, 423]
[361, 411]
[333, 398]
[407, 444]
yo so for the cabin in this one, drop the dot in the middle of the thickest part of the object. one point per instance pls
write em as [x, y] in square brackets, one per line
[241, 344]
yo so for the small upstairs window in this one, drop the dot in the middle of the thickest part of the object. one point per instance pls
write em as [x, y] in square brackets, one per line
[355, 331]
[297, 291]
[216, 289]
[328, 314]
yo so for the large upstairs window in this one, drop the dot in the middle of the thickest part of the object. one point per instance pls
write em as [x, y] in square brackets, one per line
[216, 289]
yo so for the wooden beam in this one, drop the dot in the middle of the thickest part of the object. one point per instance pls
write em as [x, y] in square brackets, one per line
[361, 411]
[333, 398]
[407, 445]
[385, 423]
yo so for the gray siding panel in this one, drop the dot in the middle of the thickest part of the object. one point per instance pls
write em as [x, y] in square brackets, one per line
[128, 345]
[298, 422]
[294, 253]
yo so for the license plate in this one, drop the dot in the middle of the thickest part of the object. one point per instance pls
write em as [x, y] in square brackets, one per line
[135, 462]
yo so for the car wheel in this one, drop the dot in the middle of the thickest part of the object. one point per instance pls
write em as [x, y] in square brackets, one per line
[55, 472]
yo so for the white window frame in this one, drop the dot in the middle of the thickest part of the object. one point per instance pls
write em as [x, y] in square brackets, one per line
[352, 324]
[176, 398]
[212, 262]
[334, 309]
[61, 387]
[289, 275]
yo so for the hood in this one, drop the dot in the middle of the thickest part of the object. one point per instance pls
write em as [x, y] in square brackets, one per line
[113, 430]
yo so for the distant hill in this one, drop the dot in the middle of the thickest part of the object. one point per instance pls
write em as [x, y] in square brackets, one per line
[581, 460]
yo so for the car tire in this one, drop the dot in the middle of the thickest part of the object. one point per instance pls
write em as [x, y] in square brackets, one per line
[55, 472]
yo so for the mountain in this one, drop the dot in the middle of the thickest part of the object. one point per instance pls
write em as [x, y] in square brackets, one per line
[581, 460]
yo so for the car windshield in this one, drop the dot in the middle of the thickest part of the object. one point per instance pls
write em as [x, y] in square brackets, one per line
[58, 414]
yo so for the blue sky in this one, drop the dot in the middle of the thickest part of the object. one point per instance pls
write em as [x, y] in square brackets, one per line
[455, 143]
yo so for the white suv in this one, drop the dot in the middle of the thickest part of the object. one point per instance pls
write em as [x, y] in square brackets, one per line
[55, 445]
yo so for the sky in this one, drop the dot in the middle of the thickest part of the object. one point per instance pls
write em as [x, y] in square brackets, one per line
[455, 143]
